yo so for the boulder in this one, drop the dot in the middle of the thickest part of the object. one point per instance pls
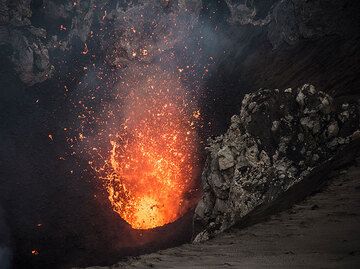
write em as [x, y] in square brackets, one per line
[280, 139]
[27, 45]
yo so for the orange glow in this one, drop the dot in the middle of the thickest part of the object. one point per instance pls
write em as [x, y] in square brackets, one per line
[149, 168]
[35, 252]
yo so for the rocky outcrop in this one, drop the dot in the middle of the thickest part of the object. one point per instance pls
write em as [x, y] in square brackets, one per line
[244, 12]
[71, 21]
[125, 32]
[290, 21]
[148, 29]
[293, 20]
[143, 30]
[26, 44]
[278, 140]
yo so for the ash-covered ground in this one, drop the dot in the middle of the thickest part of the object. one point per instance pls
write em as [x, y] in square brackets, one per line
[54, 211]
[320, 232]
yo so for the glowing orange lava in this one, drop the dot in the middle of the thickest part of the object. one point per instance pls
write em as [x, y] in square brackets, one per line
[150, 166]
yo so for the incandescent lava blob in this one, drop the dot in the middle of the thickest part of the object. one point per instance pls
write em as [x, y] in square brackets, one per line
[148, 171]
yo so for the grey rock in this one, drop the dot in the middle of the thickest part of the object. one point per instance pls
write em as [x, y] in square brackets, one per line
[293, 20]
[254, 162]
[246, 12]
[333, 129]
[30, 56]
[226, 159]
[289, 21]
[140, 31]
[148, 29]
[275, 126]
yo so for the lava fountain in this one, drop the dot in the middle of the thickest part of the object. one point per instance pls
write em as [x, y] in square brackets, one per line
[148, 171]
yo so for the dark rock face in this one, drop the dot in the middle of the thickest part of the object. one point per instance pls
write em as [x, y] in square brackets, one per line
[26, 44]
[124, 31]
[142, 30]
[296, 20]
[278, 140]
[146, 30]
[244, 12]
[292, 20]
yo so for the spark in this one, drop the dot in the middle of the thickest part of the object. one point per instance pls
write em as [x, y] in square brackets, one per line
[148, 169]
[86, 49]
[35, 252]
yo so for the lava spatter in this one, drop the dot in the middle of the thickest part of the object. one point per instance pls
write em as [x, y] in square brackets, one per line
[149, 167]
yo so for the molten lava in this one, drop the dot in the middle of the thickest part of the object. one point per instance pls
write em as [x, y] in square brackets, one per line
[150, 166]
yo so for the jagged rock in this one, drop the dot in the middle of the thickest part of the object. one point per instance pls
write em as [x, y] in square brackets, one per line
[135, 30]
[226, 158]
[148, 29]
[29, 52]
[250, 12]
[290, 134]
[30, 57]
[76, 17]
[293, 20]
[290, 21]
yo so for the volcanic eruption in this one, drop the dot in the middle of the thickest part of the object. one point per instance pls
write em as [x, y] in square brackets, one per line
[150, 130]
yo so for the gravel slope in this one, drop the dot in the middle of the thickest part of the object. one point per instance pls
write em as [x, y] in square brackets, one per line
[321, 232]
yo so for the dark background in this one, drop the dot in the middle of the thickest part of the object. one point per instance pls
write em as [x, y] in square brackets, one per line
[78, 227]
